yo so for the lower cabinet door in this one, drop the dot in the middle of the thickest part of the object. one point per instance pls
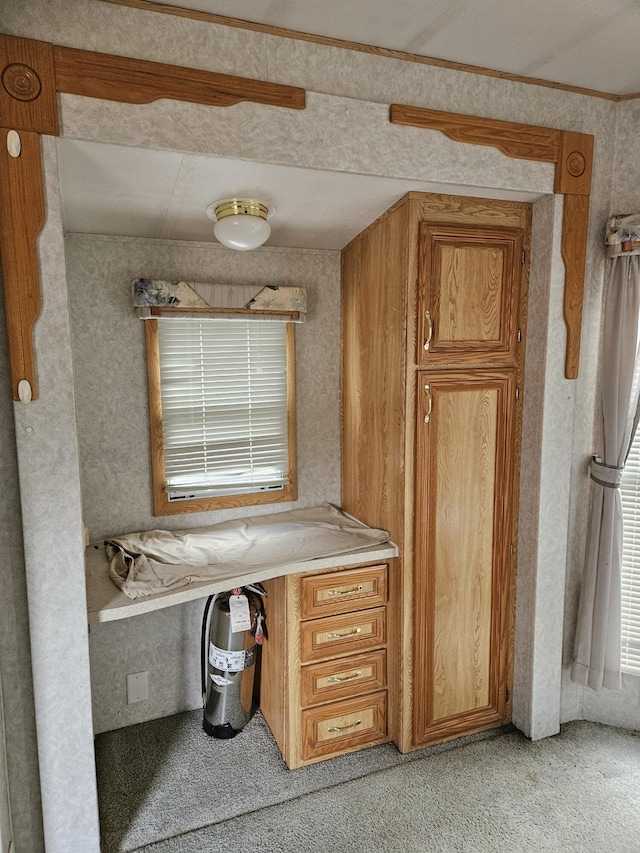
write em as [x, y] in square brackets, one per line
[344, 726]
[463, 578]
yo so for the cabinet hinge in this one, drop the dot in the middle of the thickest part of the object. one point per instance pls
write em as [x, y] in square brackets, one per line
[517, 393]
[523, 257]
[519, 336]
[511, 549]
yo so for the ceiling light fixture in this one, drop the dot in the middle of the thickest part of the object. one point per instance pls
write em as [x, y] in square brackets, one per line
[241, 223]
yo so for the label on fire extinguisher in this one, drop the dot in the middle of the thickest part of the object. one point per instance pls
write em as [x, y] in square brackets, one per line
[239, 612]
[219, 681]
[227, 661]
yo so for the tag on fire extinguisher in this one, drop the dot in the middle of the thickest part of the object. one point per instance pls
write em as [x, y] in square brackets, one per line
[239, 612]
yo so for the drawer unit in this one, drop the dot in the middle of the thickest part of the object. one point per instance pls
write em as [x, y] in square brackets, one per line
[324, 665]
[343, 592]
[338, 727]
[336, 635]
[335, 679]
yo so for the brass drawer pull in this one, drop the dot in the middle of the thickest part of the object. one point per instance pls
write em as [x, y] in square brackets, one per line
[427, 343]
[334, 635]
[344, 728]
[427, 391]
[338, 679]
[353, 589]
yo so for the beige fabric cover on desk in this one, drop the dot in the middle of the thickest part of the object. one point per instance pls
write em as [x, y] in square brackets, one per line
[158, 560]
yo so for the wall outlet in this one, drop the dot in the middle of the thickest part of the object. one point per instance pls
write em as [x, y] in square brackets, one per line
[137, 687]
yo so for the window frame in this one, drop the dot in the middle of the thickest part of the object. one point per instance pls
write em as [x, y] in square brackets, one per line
[161, 503]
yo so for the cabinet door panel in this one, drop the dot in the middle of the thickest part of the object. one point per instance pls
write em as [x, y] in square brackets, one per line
[462, 554]
[469, 286]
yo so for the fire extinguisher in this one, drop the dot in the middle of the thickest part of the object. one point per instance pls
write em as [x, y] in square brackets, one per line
[233, 628]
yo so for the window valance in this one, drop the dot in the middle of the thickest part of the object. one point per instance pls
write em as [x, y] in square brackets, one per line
[153, 298]
[623, 234]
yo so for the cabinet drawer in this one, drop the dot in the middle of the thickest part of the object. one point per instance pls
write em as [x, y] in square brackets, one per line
[323, 682]
[341, 592]
[336, 635]
[343, 726]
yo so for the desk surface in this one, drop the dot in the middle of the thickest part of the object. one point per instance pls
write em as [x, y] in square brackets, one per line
[106, 603]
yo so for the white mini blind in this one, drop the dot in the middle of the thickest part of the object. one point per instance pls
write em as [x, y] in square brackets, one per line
[224, 406]
[630, 493]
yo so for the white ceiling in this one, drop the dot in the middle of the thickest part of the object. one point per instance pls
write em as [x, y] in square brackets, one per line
[589, 43]
[114, 190]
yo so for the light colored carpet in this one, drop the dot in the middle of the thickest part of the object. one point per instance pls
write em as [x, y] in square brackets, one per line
[578, 792]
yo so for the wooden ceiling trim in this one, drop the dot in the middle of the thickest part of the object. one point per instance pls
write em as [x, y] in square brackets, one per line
[522, 141]
[572, 154]
[138, 81]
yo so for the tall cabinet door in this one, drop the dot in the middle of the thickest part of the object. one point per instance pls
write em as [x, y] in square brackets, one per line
[465, 428]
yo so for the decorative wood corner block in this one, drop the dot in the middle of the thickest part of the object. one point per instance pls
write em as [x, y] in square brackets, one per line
[27, 90]
[572, 154]
[573, 168]
[22, 215]
[137, 81]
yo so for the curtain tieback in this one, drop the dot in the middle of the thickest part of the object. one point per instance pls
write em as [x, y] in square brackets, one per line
[606, 475]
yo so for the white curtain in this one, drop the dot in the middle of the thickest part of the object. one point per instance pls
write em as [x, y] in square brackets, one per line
[597, 642]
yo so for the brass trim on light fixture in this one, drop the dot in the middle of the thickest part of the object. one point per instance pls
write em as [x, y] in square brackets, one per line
[234, 206]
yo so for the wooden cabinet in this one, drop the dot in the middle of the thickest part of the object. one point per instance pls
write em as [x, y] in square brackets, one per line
[433, 325]
[324, 666]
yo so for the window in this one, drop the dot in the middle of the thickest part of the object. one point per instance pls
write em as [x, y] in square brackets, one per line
[221, 412]
[630, 493]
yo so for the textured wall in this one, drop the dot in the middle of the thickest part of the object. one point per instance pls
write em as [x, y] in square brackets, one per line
[625, 197]
[15, 657]
[113, 428]
[49, 477]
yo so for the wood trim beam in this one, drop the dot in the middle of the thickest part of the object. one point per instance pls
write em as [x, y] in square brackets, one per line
[522, 141]
[575, 221]
[22, 215]
[572, 154]
[138, 81]
[167, 310]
